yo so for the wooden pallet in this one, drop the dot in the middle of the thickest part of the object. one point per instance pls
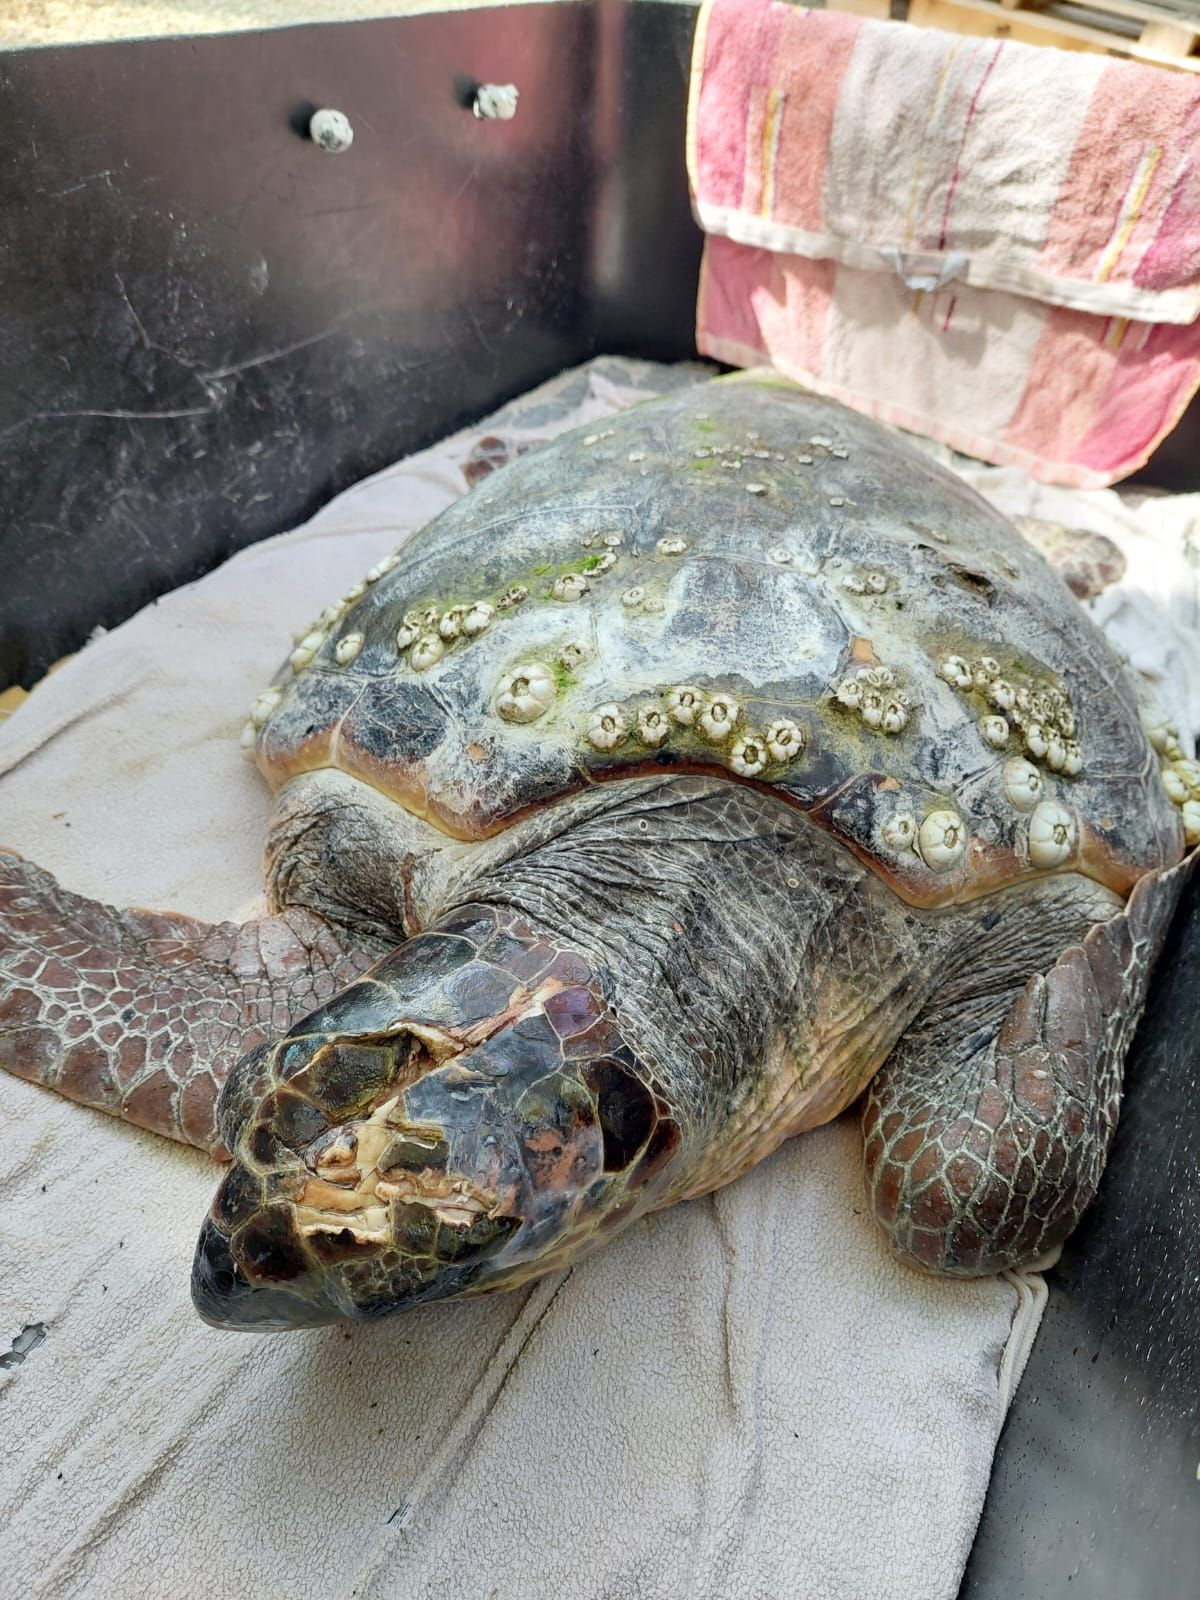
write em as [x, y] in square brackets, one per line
[1131, 28]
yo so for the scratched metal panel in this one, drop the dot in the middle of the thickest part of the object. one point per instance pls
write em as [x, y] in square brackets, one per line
[208, 326]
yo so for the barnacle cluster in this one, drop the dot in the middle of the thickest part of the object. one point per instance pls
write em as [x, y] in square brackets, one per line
[873, 693]
[1180, 773]
[1037, 717]
[718, 718]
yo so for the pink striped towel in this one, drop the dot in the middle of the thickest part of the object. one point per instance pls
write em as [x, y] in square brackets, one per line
[993, 244]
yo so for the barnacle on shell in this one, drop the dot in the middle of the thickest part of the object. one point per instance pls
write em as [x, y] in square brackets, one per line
[526, 693]
[1051, 835]
[683, 704]
[942, 838]
[718, 717]
[652, 726]
[784, 739]
[748, 755]
[899, 831]
[607, 727]
[571, 586]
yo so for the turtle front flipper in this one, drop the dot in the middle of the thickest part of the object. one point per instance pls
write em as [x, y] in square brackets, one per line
[988, 1127]
[142, 1014]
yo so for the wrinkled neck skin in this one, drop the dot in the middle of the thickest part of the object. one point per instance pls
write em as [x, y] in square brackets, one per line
[744, 953]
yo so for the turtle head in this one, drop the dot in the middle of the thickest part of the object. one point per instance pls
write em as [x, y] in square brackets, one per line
[465, 1117]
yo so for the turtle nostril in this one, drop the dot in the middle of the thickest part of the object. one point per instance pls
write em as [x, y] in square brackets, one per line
[223, 1280]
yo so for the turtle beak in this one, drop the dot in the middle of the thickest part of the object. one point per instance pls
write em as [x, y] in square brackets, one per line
[225, 1297]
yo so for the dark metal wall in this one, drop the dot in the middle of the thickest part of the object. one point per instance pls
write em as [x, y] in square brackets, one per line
[208, 326]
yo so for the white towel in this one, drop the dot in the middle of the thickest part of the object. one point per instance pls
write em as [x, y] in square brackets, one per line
[740, 1396]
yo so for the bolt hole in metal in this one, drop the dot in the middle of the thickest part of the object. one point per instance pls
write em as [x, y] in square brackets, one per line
[30, 1336]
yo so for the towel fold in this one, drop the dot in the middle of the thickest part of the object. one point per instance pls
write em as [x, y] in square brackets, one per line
[990, 243]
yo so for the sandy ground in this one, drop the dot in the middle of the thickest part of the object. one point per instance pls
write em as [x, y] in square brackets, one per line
[34, 22]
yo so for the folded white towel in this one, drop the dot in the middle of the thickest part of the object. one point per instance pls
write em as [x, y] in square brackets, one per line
[741, 1396]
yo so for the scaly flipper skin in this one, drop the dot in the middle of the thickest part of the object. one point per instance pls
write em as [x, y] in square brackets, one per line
[142, 1014]
[985, 1144]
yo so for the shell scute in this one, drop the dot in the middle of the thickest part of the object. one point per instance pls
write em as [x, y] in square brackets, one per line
[868, 599]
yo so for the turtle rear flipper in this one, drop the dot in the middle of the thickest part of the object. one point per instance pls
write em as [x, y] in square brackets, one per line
[143, 1014]
[985, 1144]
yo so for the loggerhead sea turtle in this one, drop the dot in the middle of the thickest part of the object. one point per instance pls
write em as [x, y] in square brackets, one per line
[687, 780]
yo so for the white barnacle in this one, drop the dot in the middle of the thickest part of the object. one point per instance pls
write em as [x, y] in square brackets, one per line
[1177, 789]
[1022, 784]
[784, 738]
[839, 452]
[702, 453]
[836, 500]
[332, 615]
[265, 705]
[604, 563]
[1056, 750]
[1067, 724]
[899, 832]
[573, 655]
[955, 671]
[450, 623]
[404, 637]
[748, 755]
[571, 586]
[942, 839]
[872, 707]
[1072, 759]
[779, 556]
[346, 650]
[877, 582]
[1189, 771]
[422, 617]
[635, 456]
[655, 603]
[895, 716]
[804, 461]
[526, 693]
[478, 618]
[652, 726]
[355, 592]
[426, 649]
[880, 677]
[673, 545]
[995, 730]
[854, 584]
[514, 596]
[757, 489]
[1001, 694]
[613, 541]
[718, 718]
[607, 727]
[984, 671]
[591, 439]
[850, 691]
[1156, 727]
[306, 650]
[248, 740]
[1191, 821]
[1037, 739]
[1051, 835]
[382, 567]
[821, 442]
[632, 598]
[683, 704]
